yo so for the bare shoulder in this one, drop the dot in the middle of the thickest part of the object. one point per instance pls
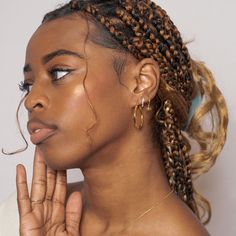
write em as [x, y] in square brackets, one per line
[180, 220]
[186, 225]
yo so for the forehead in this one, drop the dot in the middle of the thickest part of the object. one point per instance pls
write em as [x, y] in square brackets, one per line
[67, 32]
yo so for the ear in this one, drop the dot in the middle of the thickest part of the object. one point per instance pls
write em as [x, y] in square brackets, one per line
[146, 81]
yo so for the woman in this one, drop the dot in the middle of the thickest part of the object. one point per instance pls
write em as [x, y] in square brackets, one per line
[112, 90]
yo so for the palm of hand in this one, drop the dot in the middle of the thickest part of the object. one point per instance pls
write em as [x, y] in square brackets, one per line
[45, 212]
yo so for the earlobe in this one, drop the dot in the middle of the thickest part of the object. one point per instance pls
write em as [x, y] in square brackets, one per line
[147, 80]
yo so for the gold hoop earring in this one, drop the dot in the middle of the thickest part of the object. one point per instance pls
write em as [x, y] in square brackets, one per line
[138, 117]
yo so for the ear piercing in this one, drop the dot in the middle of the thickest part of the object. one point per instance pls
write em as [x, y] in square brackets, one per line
[138, 115]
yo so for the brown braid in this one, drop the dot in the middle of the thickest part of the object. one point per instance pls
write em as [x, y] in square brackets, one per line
[145, 30]
[176, 157]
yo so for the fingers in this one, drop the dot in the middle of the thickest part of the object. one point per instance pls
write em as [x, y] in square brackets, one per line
[23, 200]
[73, 213]
[51, 181]
[39, 182]
[59, 195]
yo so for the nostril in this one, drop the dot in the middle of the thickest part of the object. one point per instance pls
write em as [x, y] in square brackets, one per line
[39, 105]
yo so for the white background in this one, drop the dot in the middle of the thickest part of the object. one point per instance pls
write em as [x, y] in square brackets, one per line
[210, 23]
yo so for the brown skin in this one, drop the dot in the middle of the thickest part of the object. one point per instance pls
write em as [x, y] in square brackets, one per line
[123, 173]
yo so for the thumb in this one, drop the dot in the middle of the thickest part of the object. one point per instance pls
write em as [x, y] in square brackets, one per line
[73, 213]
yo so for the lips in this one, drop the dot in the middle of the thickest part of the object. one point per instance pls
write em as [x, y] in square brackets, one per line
[40, 131]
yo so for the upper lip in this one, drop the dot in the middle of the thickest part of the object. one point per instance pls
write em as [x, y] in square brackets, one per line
[36, 124]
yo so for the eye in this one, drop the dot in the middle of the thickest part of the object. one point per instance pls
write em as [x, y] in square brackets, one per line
[59, 73]
[25, 86]
[56, 73]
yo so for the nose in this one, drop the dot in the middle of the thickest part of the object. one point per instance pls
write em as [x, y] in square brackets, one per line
[36, 100]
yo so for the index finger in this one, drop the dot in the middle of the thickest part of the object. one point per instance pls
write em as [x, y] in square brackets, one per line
[23, 200]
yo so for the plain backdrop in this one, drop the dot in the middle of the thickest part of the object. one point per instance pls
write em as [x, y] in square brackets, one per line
[210, 23]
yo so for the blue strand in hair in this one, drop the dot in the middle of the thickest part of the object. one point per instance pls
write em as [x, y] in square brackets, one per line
[195, 104]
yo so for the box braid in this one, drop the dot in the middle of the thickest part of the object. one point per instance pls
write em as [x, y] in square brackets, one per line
[144, 29]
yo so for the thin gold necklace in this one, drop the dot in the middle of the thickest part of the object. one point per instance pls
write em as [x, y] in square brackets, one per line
[156, 204]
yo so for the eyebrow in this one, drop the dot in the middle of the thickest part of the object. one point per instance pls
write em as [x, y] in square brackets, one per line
[51, 55]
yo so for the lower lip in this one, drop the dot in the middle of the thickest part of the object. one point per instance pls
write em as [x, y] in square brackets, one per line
[42, 135]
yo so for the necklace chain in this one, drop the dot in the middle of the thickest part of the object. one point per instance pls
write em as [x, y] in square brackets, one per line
[156, 204]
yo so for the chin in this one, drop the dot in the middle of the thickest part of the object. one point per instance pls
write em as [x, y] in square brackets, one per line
[61, 159]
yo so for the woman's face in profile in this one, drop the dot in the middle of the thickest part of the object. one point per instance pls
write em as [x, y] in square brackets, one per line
[76, 89]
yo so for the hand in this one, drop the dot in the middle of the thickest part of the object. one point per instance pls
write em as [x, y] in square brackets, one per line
[45, 212]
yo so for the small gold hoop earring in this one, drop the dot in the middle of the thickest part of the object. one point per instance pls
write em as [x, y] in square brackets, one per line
[138, 117]
[149, 108]
[143, 102]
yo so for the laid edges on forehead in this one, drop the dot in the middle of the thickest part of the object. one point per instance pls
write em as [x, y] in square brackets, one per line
[99, 35]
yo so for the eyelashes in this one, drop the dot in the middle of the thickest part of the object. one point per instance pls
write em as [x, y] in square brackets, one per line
[24, 86]
[55, 73]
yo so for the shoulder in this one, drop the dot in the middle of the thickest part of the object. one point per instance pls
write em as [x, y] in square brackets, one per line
[186, 226]
[9, 221]
[182, 221]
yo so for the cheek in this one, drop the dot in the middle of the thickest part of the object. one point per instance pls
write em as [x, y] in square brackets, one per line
[105, 90]
[109, 98]
[76, 113]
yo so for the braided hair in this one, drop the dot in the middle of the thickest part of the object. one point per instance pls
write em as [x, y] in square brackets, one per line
[144, 29]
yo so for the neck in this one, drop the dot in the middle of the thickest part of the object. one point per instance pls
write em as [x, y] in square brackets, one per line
[124, 184]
